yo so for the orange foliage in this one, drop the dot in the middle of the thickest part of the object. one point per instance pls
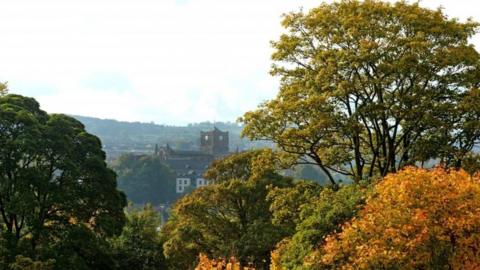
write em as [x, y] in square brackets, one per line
[275, 262]
[206, 263]
[416, 219]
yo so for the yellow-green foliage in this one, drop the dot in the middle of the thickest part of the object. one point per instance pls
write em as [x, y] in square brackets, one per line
[25, 263]
[206, 263]
[369, 87]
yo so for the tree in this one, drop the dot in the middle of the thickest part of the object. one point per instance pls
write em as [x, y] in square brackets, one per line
[145, 179]
[368, 87]
[182, 243]
[415, 219]
[140, 246]
[230, 218]
[77, 247]
[53, 179]
[225, 220]
[309, 213]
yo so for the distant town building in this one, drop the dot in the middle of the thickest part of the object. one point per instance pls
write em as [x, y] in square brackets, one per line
[189, 166]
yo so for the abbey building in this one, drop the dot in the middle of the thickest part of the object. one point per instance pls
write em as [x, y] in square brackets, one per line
[189, 166]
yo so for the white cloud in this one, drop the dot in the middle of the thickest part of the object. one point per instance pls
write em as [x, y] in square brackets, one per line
[176, 61]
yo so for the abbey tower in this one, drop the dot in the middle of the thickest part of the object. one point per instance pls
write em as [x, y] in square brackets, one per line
[214, 142]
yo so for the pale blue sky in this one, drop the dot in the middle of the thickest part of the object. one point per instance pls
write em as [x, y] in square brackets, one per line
[167, 61]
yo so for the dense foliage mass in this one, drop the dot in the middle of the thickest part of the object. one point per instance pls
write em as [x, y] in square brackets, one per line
[310, 213]
[231, 218]
[368, 87]
[415, 219]
[145, 179]
[206, 263]
[55, 188]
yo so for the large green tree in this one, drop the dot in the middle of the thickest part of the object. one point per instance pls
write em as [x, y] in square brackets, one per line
[53, 180]
[368, 87]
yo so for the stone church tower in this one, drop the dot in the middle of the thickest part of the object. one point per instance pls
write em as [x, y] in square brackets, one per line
[214, 142]
[189, 166]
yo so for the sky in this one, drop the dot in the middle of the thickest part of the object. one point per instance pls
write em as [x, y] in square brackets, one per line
[164, 61]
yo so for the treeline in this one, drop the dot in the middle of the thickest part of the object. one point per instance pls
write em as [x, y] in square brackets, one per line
[123, 137]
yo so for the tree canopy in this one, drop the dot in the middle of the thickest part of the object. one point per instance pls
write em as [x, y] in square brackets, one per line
[54, 181]
[368, 87]
[229, 218]
[309, 212]
[415, 219]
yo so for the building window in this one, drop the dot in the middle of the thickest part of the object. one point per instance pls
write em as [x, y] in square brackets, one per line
[201, 182]
[206, 137]
[220, 138]
[182, 183]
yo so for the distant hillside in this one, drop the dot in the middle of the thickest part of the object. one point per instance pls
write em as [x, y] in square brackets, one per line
[126, 137]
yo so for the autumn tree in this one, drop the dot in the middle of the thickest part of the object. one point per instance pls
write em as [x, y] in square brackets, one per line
[415, 219]
[368, 87]
[54, 182]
